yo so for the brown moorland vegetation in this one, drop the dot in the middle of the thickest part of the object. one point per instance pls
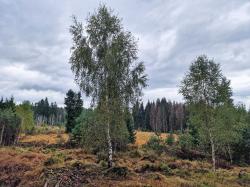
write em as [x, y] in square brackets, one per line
[138, 166]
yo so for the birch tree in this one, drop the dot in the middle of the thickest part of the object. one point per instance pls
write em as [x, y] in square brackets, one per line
[205, 88]
[104, 61]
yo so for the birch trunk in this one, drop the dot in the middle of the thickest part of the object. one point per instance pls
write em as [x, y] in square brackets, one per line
[1, 137]
[110, 148]
[230, 154]
[213, 150]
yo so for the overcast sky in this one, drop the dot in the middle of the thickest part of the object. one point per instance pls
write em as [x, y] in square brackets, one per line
[35, 43]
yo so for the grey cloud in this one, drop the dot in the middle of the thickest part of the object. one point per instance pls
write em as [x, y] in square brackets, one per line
[34, 34]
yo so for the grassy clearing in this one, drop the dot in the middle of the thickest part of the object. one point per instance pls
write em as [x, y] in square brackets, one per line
[53, 137]
[143, 137]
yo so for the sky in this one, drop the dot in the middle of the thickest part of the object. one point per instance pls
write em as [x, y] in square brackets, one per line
[35, 43]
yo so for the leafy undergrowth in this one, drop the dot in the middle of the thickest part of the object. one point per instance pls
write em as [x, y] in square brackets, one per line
[138, 166]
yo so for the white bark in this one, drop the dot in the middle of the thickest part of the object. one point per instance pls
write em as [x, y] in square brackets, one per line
[110, 148]
[230, 154]
[213, 150]
[1, 137]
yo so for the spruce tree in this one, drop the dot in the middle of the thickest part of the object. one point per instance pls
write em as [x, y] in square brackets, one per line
[147, 117]
[73, 106]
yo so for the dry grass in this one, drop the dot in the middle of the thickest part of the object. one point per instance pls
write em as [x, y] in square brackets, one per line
[27, 166]
[21, 166]
[143, 137]
[52, 138]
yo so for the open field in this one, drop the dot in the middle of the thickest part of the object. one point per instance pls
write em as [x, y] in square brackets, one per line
[44, 164]
[51, 138]
[54, 137]
[143, 137]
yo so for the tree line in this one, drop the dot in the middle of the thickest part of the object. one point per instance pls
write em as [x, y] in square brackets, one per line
[21, 118]
[48, 113]
[160, 116]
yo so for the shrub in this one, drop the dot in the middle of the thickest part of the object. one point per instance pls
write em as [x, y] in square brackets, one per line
[51, 160]
[89, 132]
[102, 156]
[103, 164]
[151, 156]
[117, 172]
[155, 143]
[165, 169]
[186, 141]
[55, 159]
[60, 139]
[244, 177]
[170, 139]
[135, 153]
[156, 167]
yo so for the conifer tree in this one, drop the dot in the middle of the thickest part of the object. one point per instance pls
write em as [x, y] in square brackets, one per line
[73, 106]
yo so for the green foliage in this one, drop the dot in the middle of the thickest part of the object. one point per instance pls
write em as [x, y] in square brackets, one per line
[54, 159]
[208, 93]
[130, 127]
[117, 172]
[135, 153]
[73, 108]
[186, 141]
[162, 167]
[9, 122]
[103, 164]
[90, 131]
[205, 83]
[24, 111]
[8, 104]
[104, 61]
[155, 143]
[244, 177]
[170, 139]
[49, 113]
[9, 127]
[241, 153]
